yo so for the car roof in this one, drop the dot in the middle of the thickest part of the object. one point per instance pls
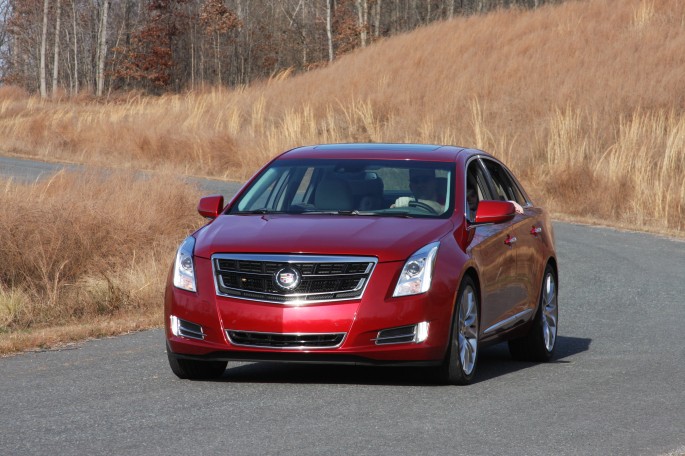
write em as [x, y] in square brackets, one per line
[379, 151]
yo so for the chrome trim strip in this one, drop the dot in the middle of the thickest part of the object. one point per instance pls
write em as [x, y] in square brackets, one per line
[509, 321]
[191, 334]
[391, 338]
[287, 258]
[321, 276]
[188, 333]
[344, 336]
[352, 290]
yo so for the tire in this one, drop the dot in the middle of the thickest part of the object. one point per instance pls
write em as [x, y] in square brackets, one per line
[538, 345]
[459, 365]
[195, 370]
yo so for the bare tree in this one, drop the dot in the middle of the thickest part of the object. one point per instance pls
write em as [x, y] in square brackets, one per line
[55, 65]
[75, 85]
[170, 45]
[102, 49]
[363, 20]
[43, 46]
[329, 29]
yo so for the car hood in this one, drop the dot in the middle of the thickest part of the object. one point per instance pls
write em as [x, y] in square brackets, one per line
[387, 238]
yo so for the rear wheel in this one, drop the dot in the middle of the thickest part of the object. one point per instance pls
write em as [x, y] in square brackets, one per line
[195, 370]
[459, 366]
[539, 343]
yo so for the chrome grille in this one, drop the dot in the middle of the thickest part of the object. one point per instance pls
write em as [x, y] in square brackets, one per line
[322, 278]
[280, 340]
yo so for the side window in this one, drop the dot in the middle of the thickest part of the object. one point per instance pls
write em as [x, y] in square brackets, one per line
[476, 188]
[503, 185]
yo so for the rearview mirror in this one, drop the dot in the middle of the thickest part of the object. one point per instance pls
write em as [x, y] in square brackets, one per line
[494, 212]
[211, 206]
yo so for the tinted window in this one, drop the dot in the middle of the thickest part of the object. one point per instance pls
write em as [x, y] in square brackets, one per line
[503, 184]
[476, 188]
[367, 187]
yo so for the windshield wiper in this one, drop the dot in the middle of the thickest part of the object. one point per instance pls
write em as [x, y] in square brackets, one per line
[341, 212]
[402, 214]
[259, 211]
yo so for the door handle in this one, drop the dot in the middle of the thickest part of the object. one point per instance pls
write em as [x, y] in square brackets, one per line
[510, 240]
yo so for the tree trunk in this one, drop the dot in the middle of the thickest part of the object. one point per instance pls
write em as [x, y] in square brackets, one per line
[102, 49]
[55, 65]
[329, 29]
[377, 18]
[75, 87]
[450, 9]
[43, 46]
[363, 20]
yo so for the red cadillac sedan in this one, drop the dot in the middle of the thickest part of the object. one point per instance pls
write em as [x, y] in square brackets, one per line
[379, 254]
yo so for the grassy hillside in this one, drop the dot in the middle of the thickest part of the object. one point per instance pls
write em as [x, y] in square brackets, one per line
[585, 100]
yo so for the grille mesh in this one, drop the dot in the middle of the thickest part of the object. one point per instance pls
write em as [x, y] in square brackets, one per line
[276, 340]
[250, 277]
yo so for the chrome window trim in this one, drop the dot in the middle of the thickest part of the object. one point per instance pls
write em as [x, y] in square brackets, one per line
[304, 347]
[292, 258]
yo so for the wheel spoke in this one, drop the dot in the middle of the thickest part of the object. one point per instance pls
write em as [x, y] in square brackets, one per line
[468, 330]
[549, 312]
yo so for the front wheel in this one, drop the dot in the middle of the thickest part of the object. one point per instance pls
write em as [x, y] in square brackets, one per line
[539, 343]
[195, 370]
[459, 366]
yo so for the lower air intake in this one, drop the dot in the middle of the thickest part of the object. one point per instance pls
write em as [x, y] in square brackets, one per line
[284, 341]
[401, 335]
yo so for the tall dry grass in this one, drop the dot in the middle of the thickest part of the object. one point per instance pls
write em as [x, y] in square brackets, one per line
[584, 100]
[91, 249]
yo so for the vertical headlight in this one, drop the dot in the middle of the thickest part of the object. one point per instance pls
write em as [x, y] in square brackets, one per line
[417, 272]
[184, 268]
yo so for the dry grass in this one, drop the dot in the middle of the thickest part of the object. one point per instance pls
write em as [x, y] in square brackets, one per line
[584, 100]
[82, 257]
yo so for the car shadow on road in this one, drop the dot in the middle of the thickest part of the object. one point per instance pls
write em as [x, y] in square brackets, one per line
[494, 362]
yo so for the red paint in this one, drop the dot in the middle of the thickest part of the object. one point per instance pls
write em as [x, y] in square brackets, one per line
[505, 289]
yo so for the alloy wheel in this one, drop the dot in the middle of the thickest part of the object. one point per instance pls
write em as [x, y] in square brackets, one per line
[468, 330]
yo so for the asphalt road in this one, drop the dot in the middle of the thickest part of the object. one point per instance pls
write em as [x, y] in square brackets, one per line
[27, 171]
[617, 385]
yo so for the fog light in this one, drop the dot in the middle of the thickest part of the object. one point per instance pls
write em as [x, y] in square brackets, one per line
[174, 326]
[182, 328]
[421, 332]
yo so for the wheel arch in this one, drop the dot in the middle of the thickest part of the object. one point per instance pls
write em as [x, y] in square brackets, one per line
[473, 274]
[552, 261]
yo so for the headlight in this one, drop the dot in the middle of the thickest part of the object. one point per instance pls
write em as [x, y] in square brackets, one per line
[184, 270]
[417, 272]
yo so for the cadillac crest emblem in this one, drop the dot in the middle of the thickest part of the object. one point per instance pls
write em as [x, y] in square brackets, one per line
[288, 278]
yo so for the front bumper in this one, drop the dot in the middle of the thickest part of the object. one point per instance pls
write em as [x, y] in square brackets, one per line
[359, 320]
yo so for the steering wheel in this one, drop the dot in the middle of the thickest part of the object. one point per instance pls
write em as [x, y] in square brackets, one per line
[423, 206]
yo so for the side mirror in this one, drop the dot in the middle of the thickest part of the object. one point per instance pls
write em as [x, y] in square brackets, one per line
[211, 206]
[494, 212]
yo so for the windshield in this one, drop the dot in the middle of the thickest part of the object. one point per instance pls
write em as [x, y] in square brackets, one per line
[351, 187]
